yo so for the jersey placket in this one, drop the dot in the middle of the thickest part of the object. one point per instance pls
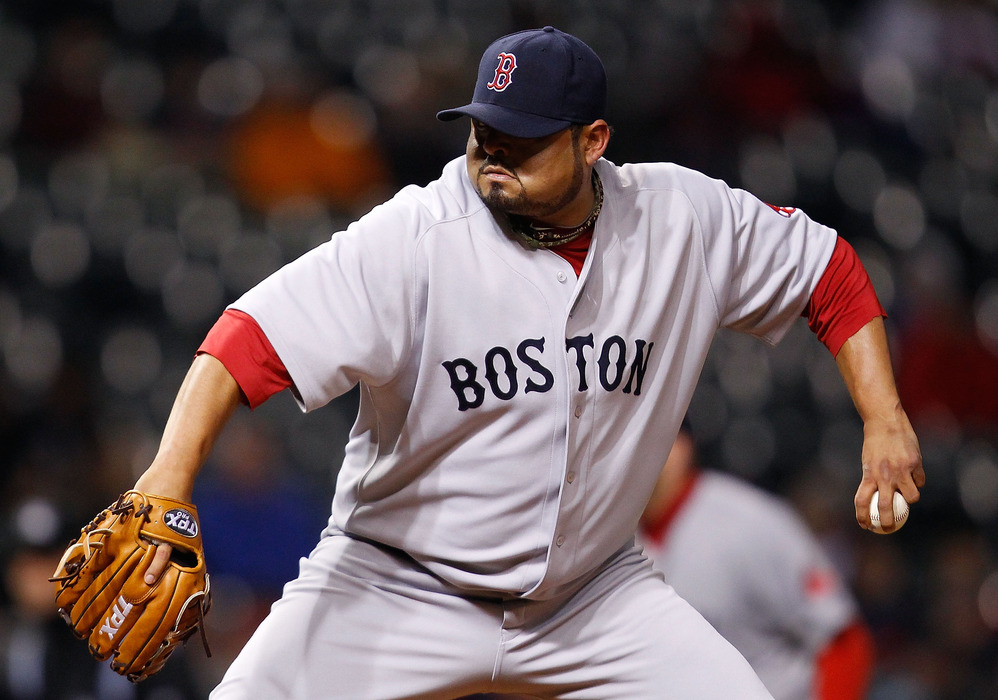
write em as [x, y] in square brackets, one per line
[564, 543]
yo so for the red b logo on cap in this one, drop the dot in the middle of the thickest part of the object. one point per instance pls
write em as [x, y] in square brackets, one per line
[504, 72]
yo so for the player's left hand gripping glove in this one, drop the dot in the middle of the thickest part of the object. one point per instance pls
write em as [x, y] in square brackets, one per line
[101, 593]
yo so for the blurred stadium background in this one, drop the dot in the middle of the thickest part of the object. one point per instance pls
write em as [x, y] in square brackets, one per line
[158, 157]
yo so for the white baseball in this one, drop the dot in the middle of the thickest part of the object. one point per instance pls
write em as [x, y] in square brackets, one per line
[900, 512]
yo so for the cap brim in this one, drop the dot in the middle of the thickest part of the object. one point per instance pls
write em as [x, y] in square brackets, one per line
[508, 121]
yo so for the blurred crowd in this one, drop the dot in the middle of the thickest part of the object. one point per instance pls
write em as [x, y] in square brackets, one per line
[158, 157]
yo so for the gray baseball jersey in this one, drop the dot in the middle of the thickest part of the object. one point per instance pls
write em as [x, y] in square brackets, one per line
[513, 418]
[748, 563]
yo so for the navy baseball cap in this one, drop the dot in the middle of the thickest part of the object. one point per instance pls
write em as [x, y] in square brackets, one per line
[536, 82]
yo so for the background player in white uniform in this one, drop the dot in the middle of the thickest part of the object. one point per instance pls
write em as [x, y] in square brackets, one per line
[526, 333]
[747, 561]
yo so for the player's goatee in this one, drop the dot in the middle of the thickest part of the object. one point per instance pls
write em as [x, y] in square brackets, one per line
[521, 204]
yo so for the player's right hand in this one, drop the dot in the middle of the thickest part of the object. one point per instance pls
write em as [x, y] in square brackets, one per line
[892, 461]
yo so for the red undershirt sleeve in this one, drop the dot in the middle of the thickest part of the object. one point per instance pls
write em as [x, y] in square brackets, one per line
[844, 300]
[237, 341]
[845, 666]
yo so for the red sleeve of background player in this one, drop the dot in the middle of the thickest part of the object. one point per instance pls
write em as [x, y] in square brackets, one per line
[844, 300]
[845, 666]
[238, 342]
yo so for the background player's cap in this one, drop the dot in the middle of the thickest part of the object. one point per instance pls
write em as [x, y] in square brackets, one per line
[536, 82]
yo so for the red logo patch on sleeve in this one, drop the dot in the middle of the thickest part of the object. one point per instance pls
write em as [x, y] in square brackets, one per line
[782, 211]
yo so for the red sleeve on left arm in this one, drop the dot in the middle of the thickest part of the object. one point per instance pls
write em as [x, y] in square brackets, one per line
[844, 300]
[845, 666]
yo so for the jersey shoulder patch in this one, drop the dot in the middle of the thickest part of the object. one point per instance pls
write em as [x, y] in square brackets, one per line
[782, 211]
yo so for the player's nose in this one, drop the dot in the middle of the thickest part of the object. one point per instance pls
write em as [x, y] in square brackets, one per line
[494, 142]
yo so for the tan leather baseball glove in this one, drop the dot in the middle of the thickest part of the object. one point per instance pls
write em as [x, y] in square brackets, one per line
[100, 590]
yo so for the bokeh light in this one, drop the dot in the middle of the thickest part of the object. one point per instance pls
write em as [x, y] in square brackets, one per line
[60, 254]
[131, 359]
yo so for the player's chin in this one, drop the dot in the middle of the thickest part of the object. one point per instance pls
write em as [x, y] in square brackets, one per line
[497, 198]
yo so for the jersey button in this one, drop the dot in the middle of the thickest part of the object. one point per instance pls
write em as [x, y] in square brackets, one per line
[562, 276]
[578, 411]
[570, 477]
[560, 541]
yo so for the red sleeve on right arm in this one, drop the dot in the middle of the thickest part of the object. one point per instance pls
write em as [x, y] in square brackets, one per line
[239, 343]
[845, 666]
[844, 300]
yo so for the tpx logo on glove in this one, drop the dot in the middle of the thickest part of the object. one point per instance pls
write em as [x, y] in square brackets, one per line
[181, 522]
[119, 611]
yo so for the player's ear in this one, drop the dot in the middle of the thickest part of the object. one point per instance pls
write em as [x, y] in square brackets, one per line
[595, 139]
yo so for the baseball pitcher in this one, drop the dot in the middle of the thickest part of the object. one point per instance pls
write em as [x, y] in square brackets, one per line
[526, 333]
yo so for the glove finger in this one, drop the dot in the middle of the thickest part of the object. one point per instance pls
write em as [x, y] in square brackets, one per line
[128, 607]
[78, 566]
[114, 627]
[72, 575]
[97, 601]
[190, 621]
[152, 637]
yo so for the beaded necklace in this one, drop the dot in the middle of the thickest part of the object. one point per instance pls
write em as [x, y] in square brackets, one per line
[549, 236]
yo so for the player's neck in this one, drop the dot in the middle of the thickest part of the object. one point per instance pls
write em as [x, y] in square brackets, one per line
[546, 236]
